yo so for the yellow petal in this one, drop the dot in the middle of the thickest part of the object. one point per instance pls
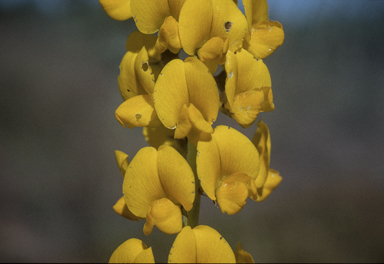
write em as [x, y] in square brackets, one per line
[129, 86]
[165, 215]
[265, 38]
[262, 142]
[144, 71]
[184, 124]
[195, 24]
[256, 11]
[237, 153]
[121, 208]
[145, 256]
[234, 191]
[247, 79]
[175, 7]
[135, 42]
[273, 180]
[137, 111]
[141, 184]
[149, 15]
[198, 120]
[202, 88]
[228, 21]
[183, 249]
[169, 36]
[242, 256]
[117, 9]
[128, 251]
[176, 177]
[122, 161]
[211, 247]
[171, 93]
[208, 166]
[246, 107]
[212, 65]
[212, 49]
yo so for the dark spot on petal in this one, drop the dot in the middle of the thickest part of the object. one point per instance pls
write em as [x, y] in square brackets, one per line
[228, 26]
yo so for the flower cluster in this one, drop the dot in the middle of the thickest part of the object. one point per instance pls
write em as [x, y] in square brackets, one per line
[176, 101]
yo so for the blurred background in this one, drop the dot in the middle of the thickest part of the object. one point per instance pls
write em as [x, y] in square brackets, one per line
[59, 62]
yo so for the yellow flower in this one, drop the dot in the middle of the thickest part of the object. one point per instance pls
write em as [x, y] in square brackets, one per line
[213, 27]
[159, 15]
[137, 81]
[242, 256]
[186, 98]
[264, 36]
[227, 166]
[268, 179]
[132, 251]
[247, 89]
[117, 9]
[201, 244]
[156, 185]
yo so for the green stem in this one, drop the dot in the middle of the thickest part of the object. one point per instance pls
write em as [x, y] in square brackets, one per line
[193, 215]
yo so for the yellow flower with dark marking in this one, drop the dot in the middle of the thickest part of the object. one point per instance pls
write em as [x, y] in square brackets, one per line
[186, 98]
[132, 251]
[248, 88]
[137, 81]
[156, 185]
[227, 166]
[201, 244]
[264, 36]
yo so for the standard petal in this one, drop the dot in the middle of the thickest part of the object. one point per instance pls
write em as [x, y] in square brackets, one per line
[171, 93]
[121, 208]
[256, 11]
[165, 215]
[211, 247]
[141, 184]
[175, 7]
[265, 38]
[128, 251]
[195, 24]
[242, 256]
[228, 21]
[262, 141]
[137, 111]
[208, 166]
[233, 192]
[231, 68]
[203, 92]
[149, 15]
[176, 177]
[122, 161]
[237, 153]
[183, 249]
[117, 9]
[252, 73]
[273, 180]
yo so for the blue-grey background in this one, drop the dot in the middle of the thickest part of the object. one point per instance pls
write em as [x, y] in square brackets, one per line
[59, 179]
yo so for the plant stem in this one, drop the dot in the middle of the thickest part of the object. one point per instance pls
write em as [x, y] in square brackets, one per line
[193, 215]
